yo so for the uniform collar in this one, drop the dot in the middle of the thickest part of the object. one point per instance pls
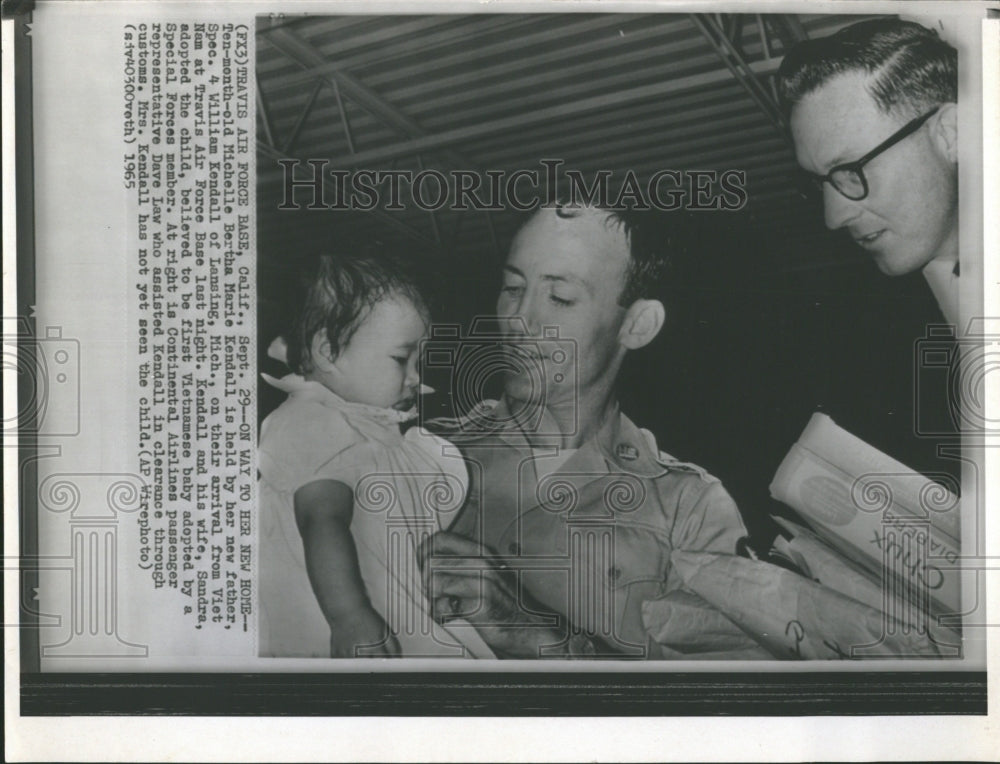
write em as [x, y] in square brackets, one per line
[619, 445]
[300, 387]
[630, 449]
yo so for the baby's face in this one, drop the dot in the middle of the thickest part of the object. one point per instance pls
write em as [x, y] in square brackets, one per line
[379, 365]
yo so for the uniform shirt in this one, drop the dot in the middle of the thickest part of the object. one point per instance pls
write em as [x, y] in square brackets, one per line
[592, 539]
[404, 490]
[942, 278]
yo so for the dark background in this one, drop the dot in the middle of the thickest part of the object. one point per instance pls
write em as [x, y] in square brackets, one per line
[753, 351]
[748, 353]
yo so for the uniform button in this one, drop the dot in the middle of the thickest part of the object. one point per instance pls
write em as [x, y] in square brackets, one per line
[614, 573]
[514, 548]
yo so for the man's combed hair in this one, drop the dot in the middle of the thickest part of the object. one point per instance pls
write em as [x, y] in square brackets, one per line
[650, 243]
[910, 68]
[336, 293]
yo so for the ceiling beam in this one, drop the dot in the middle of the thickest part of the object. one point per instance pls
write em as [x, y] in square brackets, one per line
[303, 116]
[541, 35]
[739, 67]
[686, 109]
[788, 28]
[405, 228]
[478, 91]
[309, 58]
[262, 113]
[548, 56]
[312, 60]
[482, 101]
[561, 111]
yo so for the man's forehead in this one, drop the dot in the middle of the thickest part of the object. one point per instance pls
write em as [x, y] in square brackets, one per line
[575, 232]
[838, 122]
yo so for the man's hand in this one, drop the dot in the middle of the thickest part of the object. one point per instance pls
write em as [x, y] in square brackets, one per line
[464, 580]
[361, 628]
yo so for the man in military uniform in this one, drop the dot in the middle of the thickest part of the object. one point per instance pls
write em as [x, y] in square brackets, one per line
[563, 546]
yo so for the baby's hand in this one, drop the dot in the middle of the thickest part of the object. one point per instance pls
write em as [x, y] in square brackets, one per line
[362, 633]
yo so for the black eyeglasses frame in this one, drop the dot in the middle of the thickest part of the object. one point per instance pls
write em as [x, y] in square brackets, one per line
[856, 166]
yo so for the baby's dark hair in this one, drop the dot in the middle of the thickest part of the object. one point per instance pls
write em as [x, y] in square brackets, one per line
[337, 292]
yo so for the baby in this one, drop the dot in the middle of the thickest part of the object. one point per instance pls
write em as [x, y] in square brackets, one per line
[346, 498]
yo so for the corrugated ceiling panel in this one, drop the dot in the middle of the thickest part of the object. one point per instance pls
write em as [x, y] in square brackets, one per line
[445, 73]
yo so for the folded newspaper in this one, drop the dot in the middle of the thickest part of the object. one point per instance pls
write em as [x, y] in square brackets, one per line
[793, 617]
[824, 565]
[900, 526]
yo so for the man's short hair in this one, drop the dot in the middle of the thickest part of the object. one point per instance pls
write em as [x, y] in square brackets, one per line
[910, 68]
[650, 243]
[336, 292]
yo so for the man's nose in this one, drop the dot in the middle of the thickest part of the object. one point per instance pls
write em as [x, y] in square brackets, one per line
[838, 210]
[522, 317]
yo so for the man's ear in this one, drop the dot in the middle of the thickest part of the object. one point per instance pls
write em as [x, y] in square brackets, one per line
[643, 322]
[944, 131]
[320, 352]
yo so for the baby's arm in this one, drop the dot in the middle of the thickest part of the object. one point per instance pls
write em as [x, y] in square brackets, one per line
[323, 511]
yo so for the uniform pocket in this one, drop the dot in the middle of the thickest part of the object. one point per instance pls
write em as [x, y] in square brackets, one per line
[618, 567]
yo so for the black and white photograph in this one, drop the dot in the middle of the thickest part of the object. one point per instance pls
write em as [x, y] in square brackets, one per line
[389, 360]
[627, 270]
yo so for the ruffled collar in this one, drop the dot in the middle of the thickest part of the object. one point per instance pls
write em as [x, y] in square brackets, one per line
[299, 386]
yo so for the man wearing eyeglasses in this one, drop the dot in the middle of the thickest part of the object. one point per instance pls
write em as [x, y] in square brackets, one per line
[872, 111]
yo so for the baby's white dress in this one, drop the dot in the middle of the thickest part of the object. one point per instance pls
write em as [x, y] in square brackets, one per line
[406, 487]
